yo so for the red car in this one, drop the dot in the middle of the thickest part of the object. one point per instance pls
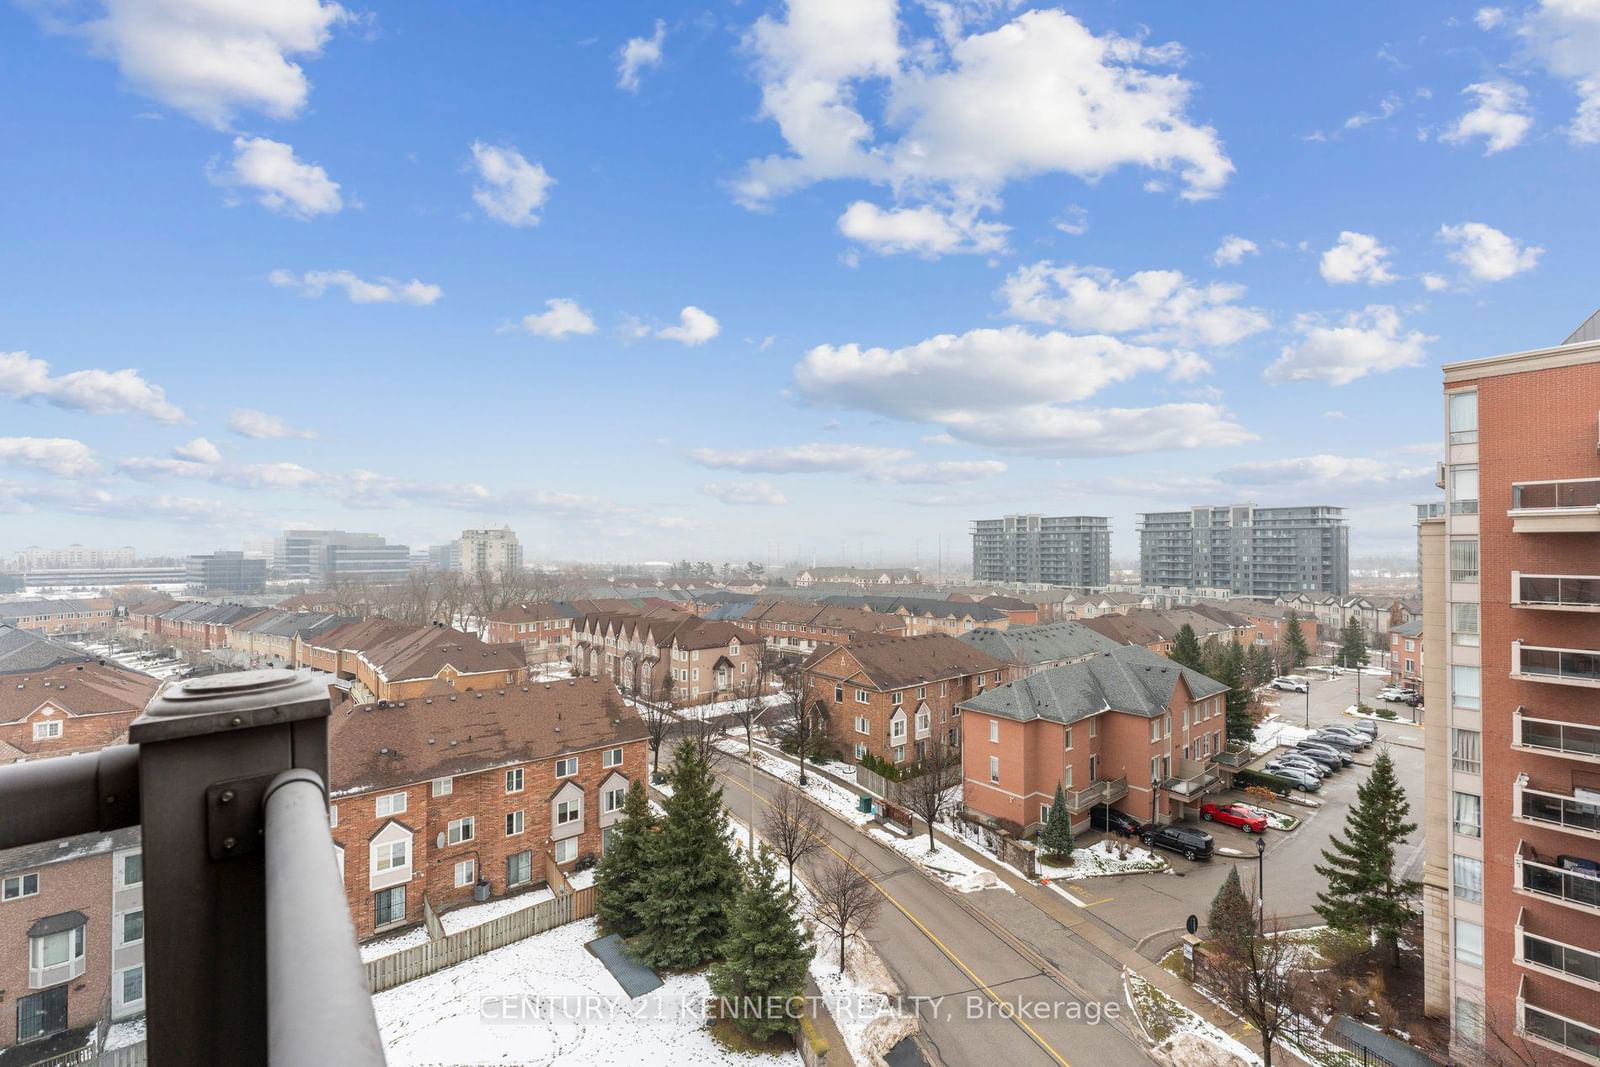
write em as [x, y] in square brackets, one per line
[1245, 818]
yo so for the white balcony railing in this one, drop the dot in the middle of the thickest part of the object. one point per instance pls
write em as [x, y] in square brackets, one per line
[1566, 506]
[1192, 778]
[1551, 881]
[1537, 952]
[1555, 592]
[1574, 813]
[1553, 737]
[1560, 666]
[1551, 1030]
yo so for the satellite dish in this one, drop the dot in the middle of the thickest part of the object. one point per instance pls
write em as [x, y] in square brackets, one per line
[441, 845]
[1193, 925]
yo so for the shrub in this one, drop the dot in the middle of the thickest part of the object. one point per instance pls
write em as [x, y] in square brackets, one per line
[1386, 713]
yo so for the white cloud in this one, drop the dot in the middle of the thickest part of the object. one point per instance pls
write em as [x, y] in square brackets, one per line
[1232, 251]
[1435, 283]
[561, 317]
[947, 472]
[282, 182]
[199, 450]
[926, 231]
[510, 189]
[695, 327]
[358, 290]
[638, 54]
[1074, 220]
[1564, 37]
[800, 459]
[1341, 474]
[1058, 431]
[208, 59]
[964, 116]
[249, 422]
[746, 493]
[1488, 18]
[1487, 254]
[1502, 117]
[61, 456]
[1371, 341]
[1356, 257]
[1385, 111]
[1155, 305]
[98, 392]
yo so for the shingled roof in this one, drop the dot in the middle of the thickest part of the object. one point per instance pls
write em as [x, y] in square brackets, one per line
[1045, 643]
[91, 688]
[387, 744]
[1129, 679]
[896, 662]
[23, 650]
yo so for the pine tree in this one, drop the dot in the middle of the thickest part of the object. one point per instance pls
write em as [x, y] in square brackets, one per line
[693, 882]
[1353, 644]
[1365, 893]
[1231, 672]
[765, 954]
[1056, 834]
[1260, 664]
[1232, 921]
[1186, 648]
[621, 881]
[1211, 655]
[1294, 644]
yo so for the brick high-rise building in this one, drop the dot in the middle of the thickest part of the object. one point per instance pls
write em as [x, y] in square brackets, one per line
[1254, 552]
[1070, 550]
[1511, 591]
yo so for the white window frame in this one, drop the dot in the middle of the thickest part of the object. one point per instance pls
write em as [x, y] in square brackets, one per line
[862, 697]
[459, 831]
[619, 794]
[466, 872]
[515, 823]
[121, 870]
[15, 886]
[1069, 740]
[442, 787]
[119, 927]
[611, 757]
[567, 846]
[383, 856]
[569, 811]
[1462, 946]
[569, 762]
[390, 804]
[862, 725]
[994, 770]
[514, 780]
[47, 729]
[120, 989]
[994, 731]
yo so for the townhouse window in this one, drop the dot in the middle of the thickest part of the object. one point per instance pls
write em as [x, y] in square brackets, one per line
[861, 751]
[56, 957]
[1463, 418]
[862, 726]
[897, 698]
[1464, 490]
[861, 696]
[566, 851]
[694, 675]
[897, 730]
[1466, 687]
[519, 868]
[1466, 750]
[18, 886]
[1411, 666]
[132, 985]
[44, 731]
[1463, 624]
[1469, 942]
[514, 780]
[942, 688]
[924, 720]
[466, 873]
[513, 823]
[130, 928]
[996, 677]
[130, 872]
[568, 811]
[1464, 559]
[333, 815]
[994, 769]
[994, 730]
[1044, 813]
[1409, 647]
[1155, 729]
[391, 855]
[922, 692]
[1469, 1026]
[838, 694]
[611, 757]
[460, 830]
[395, 803]
[1093, 727]
[566, 768]
[1467, 809]
[1069, 739]
[1467, 878]
[613, 799]
[389, 906]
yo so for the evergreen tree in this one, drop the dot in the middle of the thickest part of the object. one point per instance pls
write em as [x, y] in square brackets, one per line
[1232, 921]
[1056, 835]
[621, 882]
[1211, 656]
[1186, 648]
[1365, 893]
[766, 952]
[692, 884]
[1353, 644]
[1231, 672]
[1259, 661]
[1294, 644]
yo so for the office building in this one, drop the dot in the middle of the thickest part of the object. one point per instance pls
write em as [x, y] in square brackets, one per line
[1511, 609]
[1072, 550]
[323, 556]
[1254, 552]
[227, 572]
[493, 552]
[73, 557]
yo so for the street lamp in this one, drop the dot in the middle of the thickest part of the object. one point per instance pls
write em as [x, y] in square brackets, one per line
[1261, 880]
[1308, 701]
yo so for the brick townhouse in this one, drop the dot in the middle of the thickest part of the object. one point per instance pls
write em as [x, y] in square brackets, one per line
[926, 615]
[1018, 612]
[799, 626]
[708, 660]
[85, 616]
[71, 939]
[193, 625]
[52, 702]
[1405, 655]
[888, 696]
[1128, 728]
[434, 793]
[268, 637]
[1031, 649]
[543, 629]
[387, 660]
[861, 576]
[1268, 623]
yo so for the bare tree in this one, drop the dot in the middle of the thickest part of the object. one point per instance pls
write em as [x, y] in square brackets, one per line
[655, 708]
[805, 723]
[752, 700]
[843, 899]
[1260, 985]
[793, 826]
[932, 792]
[703, 731]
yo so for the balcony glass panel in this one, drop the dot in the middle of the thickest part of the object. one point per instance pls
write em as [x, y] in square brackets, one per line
[1564, 958]
[1561, 811]
[1584, 493]
[1561, 663]
[1561, 737]
[1575, 1036]
[1573, 592]
[1565, 885]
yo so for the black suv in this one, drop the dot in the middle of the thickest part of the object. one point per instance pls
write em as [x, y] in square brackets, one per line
[1188, 842]
[1117, 822]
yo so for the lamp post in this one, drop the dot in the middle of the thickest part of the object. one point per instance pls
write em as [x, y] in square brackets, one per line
[1261, 881]
[1308, 702]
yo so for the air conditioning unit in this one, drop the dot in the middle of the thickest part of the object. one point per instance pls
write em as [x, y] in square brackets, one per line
[1438, 478]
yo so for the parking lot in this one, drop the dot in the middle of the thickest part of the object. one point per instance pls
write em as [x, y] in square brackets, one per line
[1150, 909]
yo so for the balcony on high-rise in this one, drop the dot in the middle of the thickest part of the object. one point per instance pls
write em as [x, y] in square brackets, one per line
[1558, 666]
[1577, 812]
[1572, 881]
[1570, 505]
[1555, 592]
[1540, 947]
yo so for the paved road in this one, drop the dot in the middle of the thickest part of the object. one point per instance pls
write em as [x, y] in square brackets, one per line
[979, 949]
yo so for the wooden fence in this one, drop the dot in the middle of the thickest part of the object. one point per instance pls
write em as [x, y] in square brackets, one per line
[128, 1056]
[409, 964]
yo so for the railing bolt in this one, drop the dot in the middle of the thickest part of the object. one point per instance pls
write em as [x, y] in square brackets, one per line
[235, 721]
[226, 797]
[228, 843]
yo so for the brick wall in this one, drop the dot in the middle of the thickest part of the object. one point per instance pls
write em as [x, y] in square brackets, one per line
[82, 885]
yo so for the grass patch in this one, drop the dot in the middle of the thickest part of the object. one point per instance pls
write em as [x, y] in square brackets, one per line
[1159, 1013]
[730, 1037]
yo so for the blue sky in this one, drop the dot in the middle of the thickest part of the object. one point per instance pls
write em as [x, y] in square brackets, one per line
[764, 280]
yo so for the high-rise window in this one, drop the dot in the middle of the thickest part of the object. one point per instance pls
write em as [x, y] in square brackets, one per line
[1464, 490]
[1464, 559]
[1469, 942]
[1466, 750]
[1466, 687]
[1463, 418]
[1469, 1021]
[1468, 811]
[1466, 878]
[1464, 623]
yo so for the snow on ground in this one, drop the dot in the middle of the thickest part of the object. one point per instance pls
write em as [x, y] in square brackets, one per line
[1273, 732]
[1277, 820]
[125, 1033]
[726, 707]
[155, 666]
[1101, 858]
[372, 950]
[1400, 717]
[466, 918]
[439, 1019]
[1167, 1021]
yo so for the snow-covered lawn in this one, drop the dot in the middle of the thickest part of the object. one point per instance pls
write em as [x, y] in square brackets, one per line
[155, 667]
[1396, 716]
[1101, 858]
[439, 1019]
[466, 918]
[1277, 820]
[1167, 1022]
[1273, 732]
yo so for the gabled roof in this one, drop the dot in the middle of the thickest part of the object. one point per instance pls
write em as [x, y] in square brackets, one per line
[1130, 679]
[533, 611]
[1006, 603]
[23, 650]
[91, 688]
[896, 662]
[1045, 643]
[424, 651]
[1409, 629]
[920, 606]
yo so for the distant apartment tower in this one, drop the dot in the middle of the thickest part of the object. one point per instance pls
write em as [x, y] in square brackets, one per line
[73, 557]
[323, 556]
[227, 572]
[1511, 611]
[489, 551]
[1072, 550]
[1255, 552]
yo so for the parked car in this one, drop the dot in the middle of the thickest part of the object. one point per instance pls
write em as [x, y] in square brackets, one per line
[1112, 821]
[1295, 759]
[1290, 685]
[1366, 726]
[1360, 738]
[1245, 818]
[1188, 842]
[1400, 696]
[1318, 750]
[1326, 759]
[1336, 740]
[1304, 779]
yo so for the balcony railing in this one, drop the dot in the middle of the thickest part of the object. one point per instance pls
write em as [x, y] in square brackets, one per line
[1544, 1027]
[1557, 810]
[1580, 966]
[1555, 592]
[1560, 666]
[1567, 506]
[1104, 791]
[1542, 878]
[1192, 778]
[249, 953]
[1554, 738]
